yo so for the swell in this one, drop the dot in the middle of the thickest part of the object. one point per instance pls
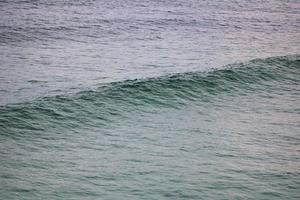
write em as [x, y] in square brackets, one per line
[116, 100]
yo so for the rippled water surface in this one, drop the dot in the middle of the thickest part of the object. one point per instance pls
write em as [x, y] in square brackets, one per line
[149, 99]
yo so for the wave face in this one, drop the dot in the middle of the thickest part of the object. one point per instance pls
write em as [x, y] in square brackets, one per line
[230, 132]
[62, 46]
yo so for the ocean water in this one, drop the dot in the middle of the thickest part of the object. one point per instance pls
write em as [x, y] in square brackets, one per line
[157, 99]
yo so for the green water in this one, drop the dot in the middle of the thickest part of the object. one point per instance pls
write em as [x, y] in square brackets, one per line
[230, 133]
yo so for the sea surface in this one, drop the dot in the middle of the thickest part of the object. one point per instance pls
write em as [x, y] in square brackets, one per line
[156, 99]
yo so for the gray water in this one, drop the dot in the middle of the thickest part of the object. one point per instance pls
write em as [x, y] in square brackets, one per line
[149, 99]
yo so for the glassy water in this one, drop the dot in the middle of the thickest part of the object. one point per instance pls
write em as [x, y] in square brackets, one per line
[149, 99]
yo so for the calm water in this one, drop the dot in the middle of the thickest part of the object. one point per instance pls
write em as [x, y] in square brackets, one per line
[152, 99]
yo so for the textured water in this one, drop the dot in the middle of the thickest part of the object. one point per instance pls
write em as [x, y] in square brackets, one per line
[149, 99]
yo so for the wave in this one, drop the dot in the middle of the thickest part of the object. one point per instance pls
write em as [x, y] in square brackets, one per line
[115, 100]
